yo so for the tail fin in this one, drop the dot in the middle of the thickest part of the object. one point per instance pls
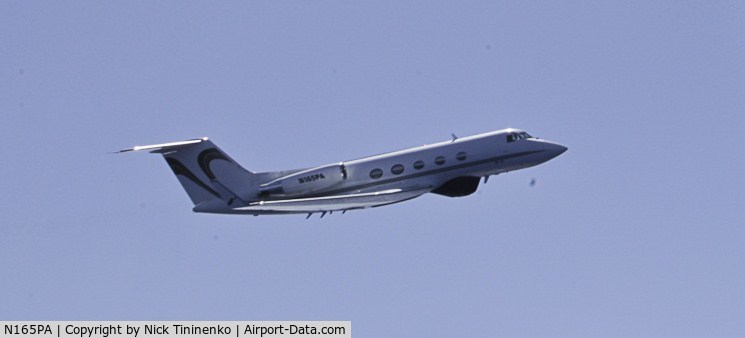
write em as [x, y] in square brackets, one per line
[205, 171]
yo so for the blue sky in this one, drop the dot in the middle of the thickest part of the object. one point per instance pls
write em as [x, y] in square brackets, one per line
[637, 230]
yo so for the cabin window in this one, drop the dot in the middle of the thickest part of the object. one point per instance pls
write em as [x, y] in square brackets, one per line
[460, 156]
[376, 173]
[397, 169]
[440, 160]
[511, 138]
[418, 165]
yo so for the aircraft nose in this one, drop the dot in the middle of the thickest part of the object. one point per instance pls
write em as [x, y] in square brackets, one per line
[561, 149]
[555, 149]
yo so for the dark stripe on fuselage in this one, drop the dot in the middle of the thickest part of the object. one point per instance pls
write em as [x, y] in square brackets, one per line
[207, 156]
[181, 170]
[427, 173]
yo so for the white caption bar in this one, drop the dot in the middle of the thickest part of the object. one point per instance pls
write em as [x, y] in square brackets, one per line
[182, 329]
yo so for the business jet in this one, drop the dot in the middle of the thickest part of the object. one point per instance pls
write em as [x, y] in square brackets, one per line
[218, 184]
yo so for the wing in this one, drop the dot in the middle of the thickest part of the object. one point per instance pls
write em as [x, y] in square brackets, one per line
[336, 202]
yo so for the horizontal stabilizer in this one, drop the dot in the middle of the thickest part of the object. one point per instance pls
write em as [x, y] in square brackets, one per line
[164, 146]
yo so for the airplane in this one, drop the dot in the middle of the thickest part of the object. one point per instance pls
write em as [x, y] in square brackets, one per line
[218, 184]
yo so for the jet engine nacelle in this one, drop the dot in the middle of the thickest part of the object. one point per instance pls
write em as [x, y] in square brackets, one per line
[307, 181]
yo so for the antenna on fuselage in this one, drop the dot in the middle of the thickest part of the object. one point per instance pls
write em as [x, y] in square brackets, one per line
[454, 138]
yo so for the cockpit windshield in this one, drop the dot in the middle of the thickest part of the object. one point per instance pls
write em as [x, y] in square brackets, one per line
[512, 137]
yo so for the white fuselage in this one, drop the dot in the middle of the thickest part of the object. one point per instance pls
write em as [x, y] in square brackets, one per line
[476, 156]
[430, 166]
